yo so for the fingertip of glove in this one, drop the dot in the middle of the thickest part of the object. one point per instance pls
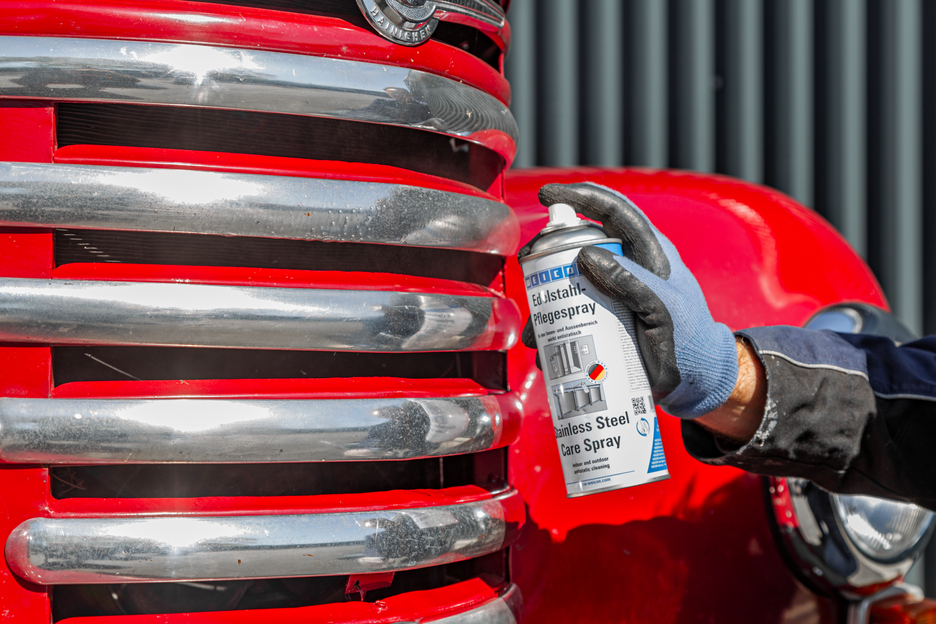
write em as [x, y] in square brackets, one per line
[550, 194]
[593, 258]
[528, 335]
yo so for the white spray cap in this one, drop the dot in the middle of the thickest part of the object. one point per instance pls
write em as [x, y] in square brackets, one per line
[562, 215]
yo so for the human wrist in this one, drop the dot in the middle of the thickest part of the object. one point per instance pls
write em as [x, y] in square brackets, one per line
[738, 418]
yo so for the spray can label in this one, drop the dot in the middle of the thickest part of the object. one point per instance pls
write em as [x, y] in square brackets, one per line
[600, 400]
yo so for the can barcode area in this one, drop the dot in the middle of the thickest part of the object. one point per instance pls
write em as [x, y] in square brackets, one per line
[639, 405]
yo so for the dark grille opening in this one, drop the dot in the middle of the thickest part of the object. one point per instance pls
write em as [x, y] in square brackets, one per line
[471, 40]
[155, 598]
[204, 250]
[346, 9]
[71, 364]
[272, 134]
[314, 479]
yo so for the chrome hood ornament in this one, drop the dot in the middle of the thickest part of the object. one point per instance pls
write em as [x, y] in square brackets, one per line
[412, 22]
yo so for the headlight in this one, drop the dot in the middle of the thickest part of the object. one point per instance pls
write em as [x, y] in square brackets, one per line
[847, 544]
[844, 545]
[883, 530]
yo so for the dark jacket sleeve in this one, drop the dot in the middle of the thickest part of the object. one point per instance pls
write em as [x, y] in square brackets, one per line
[854, 413]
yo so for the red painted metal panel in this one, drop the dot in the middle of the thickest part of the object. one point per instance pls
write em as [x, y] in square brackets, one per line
[697, 545]
[22, 497]
[27, 131]
[245, 27]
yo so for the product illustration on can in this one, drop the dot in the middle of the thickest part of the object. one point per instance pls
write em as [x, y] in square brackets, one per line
[567, 358]
[577, 397]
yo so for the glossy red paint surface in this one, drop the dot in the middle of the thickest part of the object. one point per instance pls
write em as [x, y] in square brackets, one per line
[244, 27]
[26, 135]
[697, 546]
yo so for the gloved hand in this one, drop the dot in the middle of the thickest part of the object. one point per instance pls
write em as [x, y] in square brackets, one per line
[691, 360]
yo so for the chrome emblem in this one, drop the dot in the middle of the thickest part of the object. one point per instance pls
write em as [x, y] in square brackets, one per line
[407, 22]
[412, 22]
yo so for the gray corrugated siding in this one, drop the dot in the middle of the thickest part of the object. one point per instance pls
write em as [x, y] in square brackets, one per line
[822, 99]
[830, 101]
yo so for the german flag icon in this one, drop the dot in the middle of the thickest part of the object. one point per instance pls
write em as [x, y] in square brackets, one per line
[597, 372]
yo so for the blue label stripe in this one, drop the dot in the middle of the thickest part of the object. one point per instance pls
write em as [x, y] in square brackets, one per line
[553, 274]
[657, 458]
[563, 271]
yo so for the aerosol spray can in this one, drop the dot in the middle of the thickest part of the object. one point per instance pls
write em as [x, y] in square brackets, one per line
[599, 396]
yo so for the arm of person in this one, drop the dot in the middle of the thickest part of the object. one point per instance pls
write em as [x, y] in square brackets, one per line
[855, 414]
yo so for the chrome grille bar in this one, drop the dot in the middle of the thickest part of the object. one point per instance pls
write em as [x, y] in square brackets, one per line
[107, 431]
[52, 551]
[233, 204]
[476, 13]
[497, 611]
[97, 70]
[130, 313]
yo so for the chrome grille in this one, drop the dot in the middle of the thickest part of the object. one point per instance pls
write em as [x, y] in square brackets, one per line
[203, 278]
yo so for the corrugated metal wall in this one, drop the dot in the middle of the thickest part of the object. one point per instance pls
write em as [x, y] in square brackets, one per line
[830, 101]
[822, 99]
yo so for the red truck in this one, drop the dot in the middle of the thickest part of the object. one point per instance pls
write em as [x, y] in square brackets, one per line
[259, 360]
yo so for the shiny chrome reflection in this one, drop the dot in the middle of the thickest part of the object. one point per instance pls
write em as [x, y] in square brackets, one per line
[412, 22]
[90, 312]
[97, 70]
[482, 14]
[167, 200]
[820, 544]
[53, 551]
[501, 610]
[107, 431]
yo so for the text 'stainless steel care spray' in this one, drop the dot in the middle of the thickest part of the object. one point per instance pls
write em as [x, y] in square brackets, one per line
[599, 396]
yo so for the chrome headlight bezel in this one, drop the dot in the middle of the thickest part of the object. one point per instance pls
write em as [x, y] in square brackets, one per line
[823, 552]
[820, 548]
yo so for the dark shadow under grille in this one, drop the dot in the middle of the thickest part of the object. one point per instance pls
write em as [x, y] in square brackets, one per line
[202, 250]
[90, 363]
[156, 598]
[272, 134]
[314, 479]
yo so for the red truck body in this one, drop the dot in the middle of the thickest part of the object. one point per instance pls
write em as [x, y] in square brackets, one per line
[697, 547]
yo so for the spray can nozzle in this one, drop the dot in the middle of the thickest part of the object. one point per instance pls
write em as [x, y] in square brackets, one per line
[562, 216]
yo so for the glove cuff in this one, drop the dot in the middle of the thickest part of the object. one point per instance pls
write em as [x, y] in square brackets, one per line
[714, 373]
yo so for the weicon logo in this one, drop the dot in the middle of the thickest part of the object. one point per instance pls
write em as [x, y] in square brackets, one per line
[554, 274]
